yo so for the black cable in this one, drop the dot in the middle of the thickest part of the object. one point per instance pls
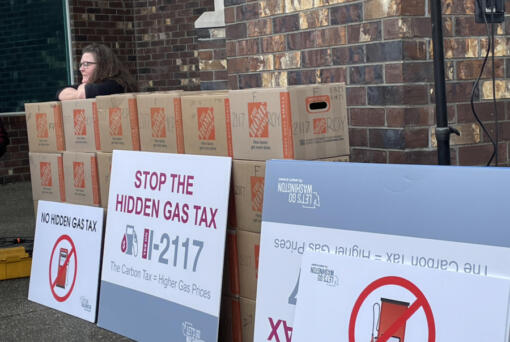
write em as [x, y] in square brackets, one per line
[475, 86]
[15, 241]
[496, 122]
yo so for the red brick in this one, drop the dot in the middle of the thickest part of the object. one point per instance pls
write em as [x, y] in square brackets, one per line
[260, 27]
[358, 137]
[247, 47]
[367, 117]
[363, 155]
[416, 137]
[330, 75]
[301, 40]
[315, 58]
[484, 110]
[386, 138]
[470, 69]
[415, 7]
[273, 43]
[366, 32]
[302, 77]
[393, 73]
[421, 157]
[345, 14]
[475, 154]
[356, 96]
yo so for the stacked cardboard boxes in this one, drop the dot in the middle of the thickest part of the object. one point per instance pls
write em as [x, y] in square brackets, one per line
[79, 171]
[46, 144]
[81, 129]
[300, 122]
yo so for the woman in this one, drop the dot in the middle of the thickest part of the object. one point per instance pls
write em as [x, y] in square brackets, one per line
[102, 74]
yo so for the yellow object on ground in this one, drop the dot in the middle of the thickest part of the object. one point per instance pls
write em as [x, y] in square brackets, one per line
[14, 263]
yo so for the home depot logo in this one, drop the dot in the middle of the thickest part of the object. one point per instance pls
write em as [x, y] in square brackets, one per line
[320, 126]
[79, 174]
[257, 193]
[45, 169]
[115, 122]
[41, 122]
[158, 122]
[206, 123]
[258, 119]
[80, 122]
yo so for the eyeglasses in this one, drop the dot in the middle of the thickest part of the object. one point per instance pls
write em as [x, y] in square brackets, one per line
[86, 64]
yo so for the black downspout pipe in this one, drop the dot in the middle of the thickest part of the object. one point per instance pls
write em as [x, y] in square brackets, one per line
[443, 131]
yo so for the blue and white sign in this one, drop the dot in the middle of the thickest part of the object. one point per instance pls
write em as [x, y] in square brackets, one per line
[429, 217]
[164, 244]
[354, 299]
[66, 258]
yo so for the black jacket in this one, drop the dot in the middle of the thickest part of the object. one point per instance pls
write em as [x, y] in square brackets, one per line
[106, 87]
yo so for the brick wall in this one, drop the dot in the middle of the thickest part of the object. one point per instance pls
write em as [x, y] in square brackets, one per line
[166, 43]
[382, 50]
[212, 55]
[155, 38]
[14, 165]
[103, 21]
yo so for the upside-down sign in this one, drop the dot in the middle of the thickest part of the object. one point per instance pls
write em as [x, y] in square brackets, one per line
[349, 299]
[67, 252]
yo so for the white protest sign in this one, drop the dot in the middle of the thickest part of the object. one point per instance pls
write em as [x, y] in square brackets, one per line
[164, 245]
[66, 257]
[379, 212]
[349, 299]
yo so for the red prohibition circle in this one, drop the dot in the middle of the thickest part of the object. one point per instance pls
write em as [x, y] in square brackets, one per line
[52, 287]
[421, 302]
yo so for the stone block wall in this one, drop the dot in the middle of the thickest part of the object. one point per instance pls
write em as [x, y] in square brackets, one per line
[382, 50]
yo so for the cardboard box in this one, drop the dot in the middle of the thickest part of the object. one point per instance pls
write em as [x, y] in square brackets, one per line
[47, 174]
[118, 122]
[160, 122]
[298, 122]
[80, 174]
[206, 124]
[104, 169]
[247, 318]
[231, 266]
[81, 125]
[248, 182]
[45, 128]
[230, 329]
[248, 247]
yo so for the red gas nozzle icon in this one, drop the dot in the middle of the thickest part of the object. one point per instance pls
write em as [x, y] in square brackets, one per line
[123, 245]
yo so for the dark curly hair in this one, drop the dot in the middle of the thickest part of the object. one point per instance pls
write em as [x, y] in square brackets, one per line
[109, 67]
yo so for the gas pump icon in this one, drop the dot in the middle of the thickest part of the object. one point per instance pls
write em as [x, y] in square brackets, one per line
[130, 241]
[62, 268]
[389, 311]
